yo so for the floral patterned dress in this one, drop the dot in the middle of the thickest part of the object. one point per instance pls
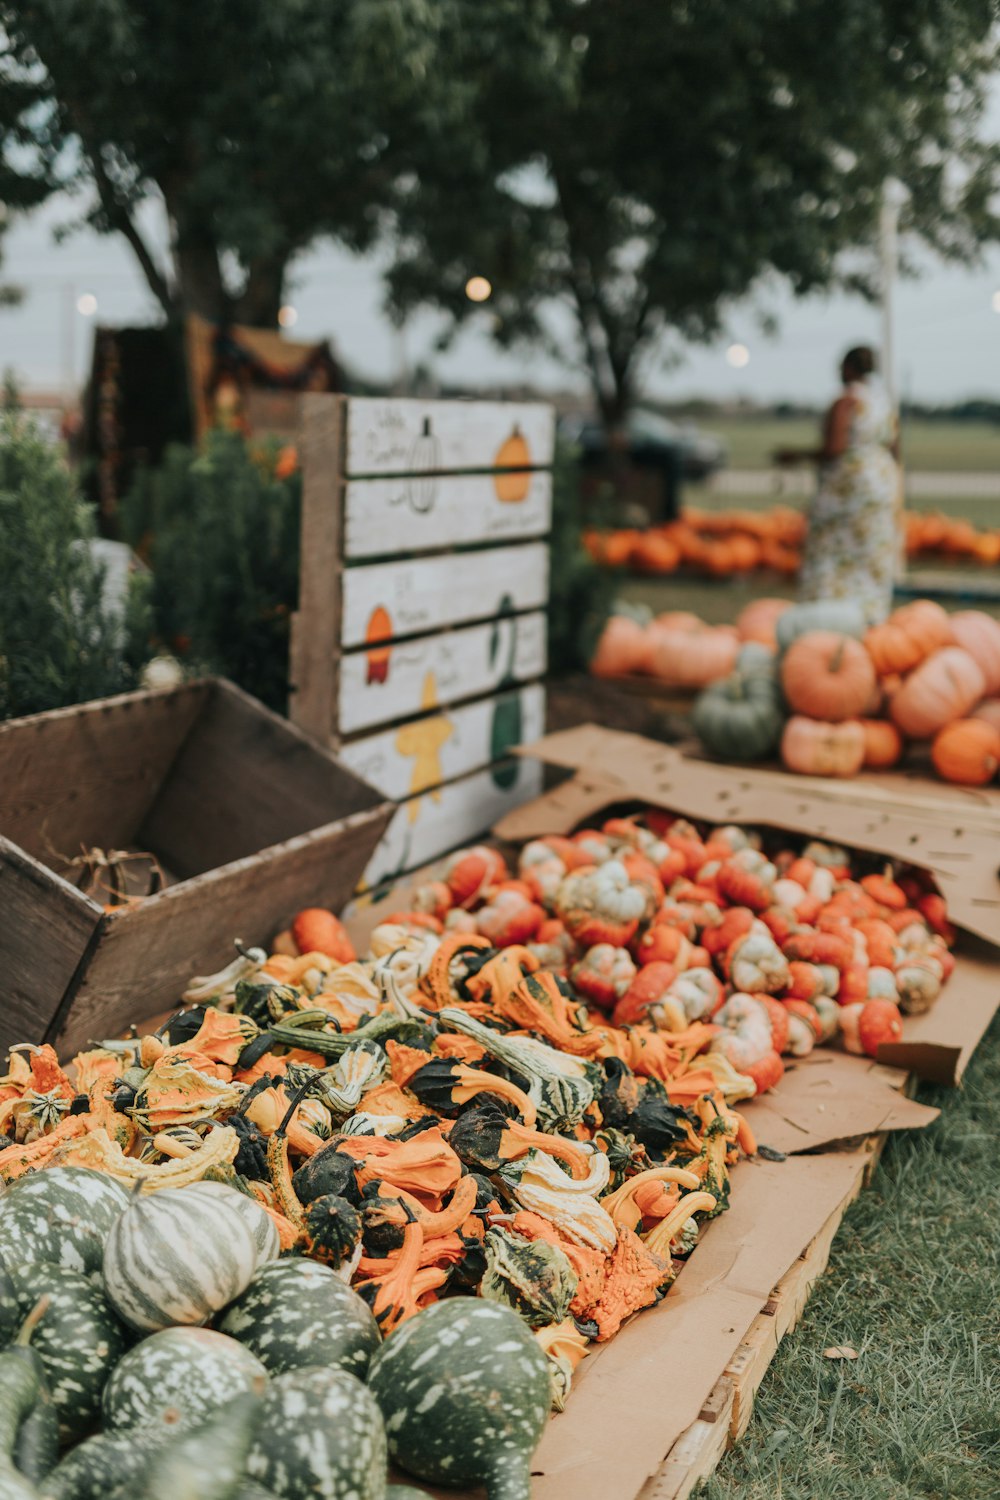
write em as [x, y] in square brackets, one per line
[852, 547]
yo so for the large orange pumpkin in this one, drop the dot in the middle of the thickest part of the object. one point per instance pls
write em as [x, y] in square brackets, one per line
[827, 676]
[979, 634]
[815, 748]
[756, 620]
[883, 743]
[942, 688]
[967, 751]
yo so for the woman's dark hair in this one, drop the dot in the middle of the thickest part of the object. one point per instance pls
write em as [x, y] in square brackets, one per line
[860, 361]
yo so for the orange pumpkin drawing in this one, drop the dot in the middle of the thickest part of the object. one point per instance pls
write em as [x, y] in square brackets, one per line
[513, 454]
[379, 628]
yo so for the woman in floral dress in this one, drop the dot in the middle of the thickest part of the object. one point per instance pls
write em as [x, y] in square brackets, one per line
[852, 547]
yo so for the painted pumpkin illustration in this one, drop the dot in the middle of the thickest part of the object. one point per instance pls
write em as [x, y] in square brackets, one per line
[379, 628]
[513, 454]
[425, 457]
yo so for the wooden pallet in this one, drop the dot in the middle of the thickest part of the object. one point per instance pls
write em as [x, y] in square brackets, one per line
[725, 1416]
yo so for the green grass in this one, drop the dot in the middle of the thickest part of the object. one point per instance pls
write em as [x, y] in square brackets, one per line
[982, 511]
[926, 445]
[913, 1285]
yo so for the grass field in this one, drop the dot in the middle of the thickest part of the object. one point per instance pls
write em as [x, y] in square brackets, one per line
[912, 1286]
[945, 446]
[980, 510]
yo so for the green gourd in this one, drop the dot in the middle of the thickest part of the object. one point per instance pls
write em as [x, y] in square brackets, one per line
[741, 717]
[79, 1341]
[465, 1393]
[175, 1378]
[92, 1469]
[296, 1312]
[319, 1434]
[61, 1216]
[204, 1463]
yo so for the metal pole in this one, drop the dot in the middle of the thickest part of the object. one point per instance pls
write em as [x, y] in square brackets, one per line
[69, 340]
[888, 237]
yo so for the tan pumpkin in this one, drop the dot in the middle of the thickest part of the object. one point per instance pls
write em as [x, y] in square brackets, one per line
[927, 624]
[892, 648]
[827, 676]
[815, 748]
[967, 751]
[692, 659]
[756, 621]
[988, 711]
[942, 688]
[883, 743]
[623, 648]
[979, 634]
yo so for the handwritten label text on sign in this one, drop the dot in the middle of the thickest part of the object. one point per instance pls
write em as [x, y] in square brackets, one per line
[388, 436]
[425, 512]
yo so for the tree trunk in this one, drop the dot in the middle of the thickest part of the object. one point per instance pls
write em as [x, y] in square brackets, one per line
[261, 300]
[200, 286]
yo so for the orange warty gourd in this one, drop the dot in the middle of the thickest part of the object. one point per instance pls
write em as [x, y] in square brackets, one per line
[815, 748]
[979, 634]
[827, 676]
[883, 743]
[942, 688]
[757, 619]
[967, 751]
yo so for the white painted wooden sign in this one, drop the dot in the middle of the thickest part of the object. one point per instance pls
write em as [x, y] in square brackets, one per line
[460, 812]
[409, 758]
[389, 436]
[395, 682]
[425, 512]
[382, 601]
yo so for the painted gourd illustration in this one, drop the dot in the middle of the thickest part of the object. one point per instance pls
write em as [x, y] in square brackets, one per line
[425, 458]
[513, 455]
[507, 728]
[379, 628]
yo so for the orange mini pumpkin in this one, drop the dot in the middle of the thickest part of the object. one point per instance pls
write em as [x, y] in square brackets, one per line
[827, 676]
[883, 743]
[756, 621]
[942, 688]
[967, 751]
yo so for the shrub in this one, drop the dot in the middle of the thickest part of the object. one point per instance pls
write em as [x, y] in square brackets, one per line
[60, 642]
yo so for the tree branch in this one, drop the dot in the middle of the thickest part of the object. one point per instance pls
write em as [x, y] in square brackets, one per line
[119, 218]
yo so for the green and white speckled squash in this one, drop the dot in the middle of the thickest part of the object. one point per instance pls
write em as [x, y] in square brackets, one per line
[464, 1390]
[176, 1256]
[259, 1223]
[93, 1469]
[177, 1377]
[297, 1312]
[79, 1340]
[61, 1216]
[319, 1434]
[207, 1461]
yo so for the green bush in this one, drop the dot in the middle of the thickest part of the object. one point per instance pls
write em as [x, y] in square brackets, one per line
[580, 593]
[59, 642]
[221, 535]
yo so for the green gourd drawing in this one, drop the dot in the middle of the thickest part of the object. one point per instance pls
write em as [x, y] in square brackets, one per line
[507, 728]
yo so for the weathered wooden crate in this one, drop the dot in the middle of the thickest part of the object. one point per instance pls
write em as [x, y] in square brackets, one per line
[419, 644]
[249, 820]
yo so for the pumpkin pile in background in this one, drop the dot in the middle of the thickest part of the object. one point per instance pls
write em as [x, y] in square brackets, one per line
[212, 1235]
[722, 544]
[811, 682]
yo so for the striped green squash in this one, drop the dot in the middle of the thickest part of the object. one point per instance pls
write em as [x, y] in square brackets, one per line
[61, 1216]
[175, 1378]
[297, 1312]
[78, 1339]
[319, 1434]
[260, 1224]
[177, 1256]
[464, 1390]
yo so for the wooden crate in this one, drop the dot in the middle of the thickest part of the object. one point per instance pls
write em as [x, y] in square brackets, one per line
[726, 1413]
[249, 820]
[419, 644]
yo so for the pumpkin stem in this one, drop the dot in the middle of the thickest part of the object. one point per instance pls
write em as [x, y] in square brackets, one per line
[32, 1321]
[838, 656]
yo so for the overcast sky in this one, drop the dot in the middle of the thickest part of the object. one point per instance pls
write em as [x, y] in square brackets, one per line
[948, 332]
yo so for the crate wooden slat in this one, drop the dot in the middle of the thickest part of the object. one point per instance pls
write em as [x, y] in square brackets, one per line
[420, 640]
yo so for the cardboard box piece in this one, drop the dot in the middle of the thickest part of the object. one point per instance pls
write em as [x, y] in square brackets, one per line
[248, 818]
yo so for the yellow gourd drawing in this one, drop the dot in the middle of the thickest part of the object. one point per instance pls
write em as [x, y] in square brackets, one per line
[423, 741]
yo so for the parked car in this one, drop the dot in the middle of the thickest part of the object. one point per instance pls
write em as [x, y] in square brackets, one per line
[654, 440]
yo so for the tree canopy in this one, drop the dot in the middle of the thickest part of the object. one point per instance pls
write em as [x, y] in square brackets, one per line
[256, 127]
[645, 163]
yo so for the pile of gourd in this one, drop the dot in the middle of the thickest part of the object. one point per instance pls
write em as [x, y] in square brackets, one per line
[524, 1092]
[835, 697]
